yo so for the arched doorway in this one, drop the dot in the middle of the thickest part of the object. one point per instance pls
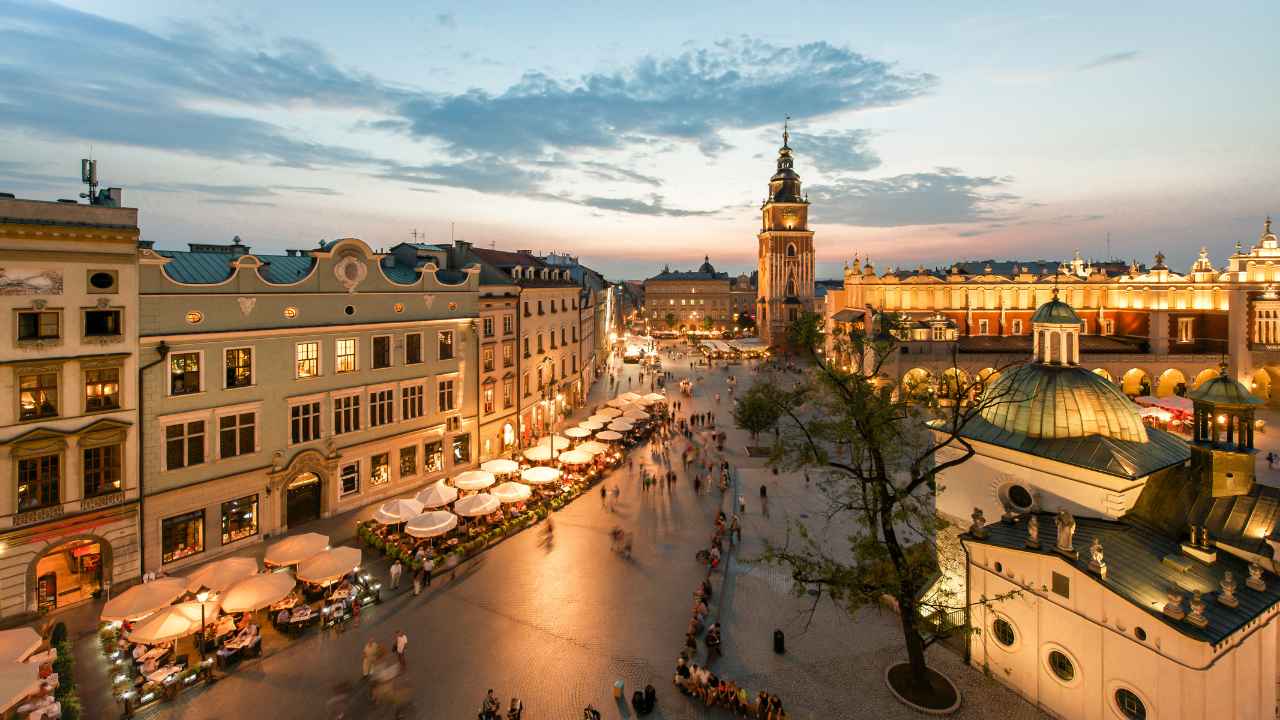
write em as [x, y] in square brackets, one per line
[1203, 376]
[918, 384]
[69, 573]
[1135, 382]
[955, 382]
[303, 499]
[1172, 382]
[508, 436]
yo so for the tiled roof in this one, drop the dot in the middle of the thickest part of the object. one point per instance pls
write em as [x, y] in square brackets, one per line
[505, 259]
[1136, 570]
[284, 269]
[1122, 458]
[197, 268]
[689, 275]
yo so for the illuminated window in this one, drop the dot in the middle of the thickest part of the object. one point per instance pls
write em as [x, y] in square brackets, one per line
[1186, 329]
[380, 469]
[101, 470]
[486, 356]
[433, 457]
[291, 312]
[182, 536]
[239, 519]
[39, 482]
[307, 357]
[239, 367]
[37, 396]
[184, 373]
[446, 345]
[345, 355]
[408, 461]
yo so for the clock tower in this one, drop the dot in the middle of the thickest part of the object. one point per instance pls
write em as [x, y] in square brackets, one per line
[785, 281]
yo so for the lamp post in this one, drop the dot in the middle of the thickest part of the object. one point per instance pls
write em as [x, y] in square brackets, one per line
[201, 597]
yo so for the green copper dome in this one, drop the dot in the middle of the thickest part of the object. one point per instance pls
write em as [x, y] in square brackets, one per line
[1061, 401]
[1223, 390]
[1056, 312]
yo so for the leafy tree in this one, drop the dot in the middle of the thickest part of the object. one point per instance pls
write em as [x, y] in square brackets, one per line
[758, 410]
[746, 322]
[671, 320]
[708, 322]
[877, 463]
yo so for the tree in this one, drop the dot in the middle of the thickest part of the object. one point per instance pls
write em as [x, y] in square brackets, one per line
[746, 322]
[708, 322]
[758, 410]
[879, 463]
[671, 320]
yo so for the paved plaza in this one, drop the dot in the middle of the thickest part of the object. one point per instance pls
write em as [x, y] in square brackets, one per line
[557, 626]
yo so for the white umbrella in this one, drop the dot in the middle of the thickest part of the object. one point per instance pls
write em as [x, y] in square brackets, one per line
[294, 549]
[609, 435]
[500, 466]
[437, 495]
[573, 457]
[17, 644]
[542, 453]
[629, 396]
[476, 505]
[610, 412]
[511, 492]
[578, 432]
[473, 480]
[257, 592]
[646, 401]
[432, 524]
[329, 566]
[141, 600]
[630, 407]
[636, 415]
[394, 512]
[593, 447]
[655, 397]
[555, 442]
[539, 475]
[618, 402]
[600, 417]
[18, 681]
[621, 425]
[173, 622]
[222, 574]
[593, 424]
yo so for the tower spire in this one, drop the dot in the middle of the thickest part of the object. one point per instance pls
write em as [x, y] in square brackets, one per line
[786, 138]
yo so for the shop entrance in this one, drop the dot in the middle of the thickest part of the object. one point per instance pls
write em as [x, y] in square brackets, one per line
[68, 574]
[303, 499]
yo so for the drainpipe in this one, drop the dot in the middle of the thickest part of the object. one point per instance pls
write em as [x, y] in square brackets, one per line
[162, 352]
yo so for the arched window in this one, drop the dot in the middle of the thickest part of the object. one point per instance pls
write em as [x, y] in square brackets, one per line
[791, 287]
[791, 249]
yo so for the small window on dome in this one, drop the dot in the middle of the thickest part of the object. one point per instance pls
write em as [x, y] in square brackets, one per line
[1020, 497]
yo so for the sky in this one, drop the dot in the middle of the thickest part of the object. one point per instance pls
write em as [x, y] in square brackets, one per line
[640, 135]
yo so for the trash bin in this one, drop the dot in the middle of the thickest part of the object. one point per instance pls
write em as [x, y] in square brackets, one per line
[779, 642]
[617, 689]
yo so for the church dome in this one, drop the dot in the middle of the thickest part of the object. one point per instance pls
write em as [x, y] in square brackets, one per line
[1061, 401]
[706, 266]
[1056, 312]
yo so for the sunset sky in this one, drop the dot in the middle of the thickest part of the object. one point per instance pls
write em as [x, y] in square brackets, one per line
[641, 134]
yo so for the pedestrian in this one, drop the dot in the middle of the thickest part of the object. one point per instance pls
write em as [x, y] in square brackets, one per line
[1271, 460]
[368, 656]
[604, 497]
[417, 582]
[401, 642]
[742, 504]
[396, 570]
[735, 528]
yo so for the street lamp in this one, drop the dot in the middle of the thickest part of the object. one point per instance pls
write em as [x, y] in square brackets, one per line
[201, 597]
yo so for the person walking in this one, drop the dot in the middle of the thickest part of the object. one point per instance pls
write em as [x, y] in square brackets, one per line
[368, 656]
[401, 642]
[396, 570]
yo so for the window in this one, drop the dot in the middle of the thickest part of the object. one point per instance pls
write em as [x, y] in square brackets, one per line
[346, 414]
[508, 324]
[39, 482]
[410, 402]
[461, 449]
[524, 382]
[487, 359]
[182, 536]
[349, 479]
[101, 323]
[37, 395]
[1108, 326]
[433, 457]
[508, 392]
[575, 362]
[488, 327]
[1061, 666]
[526, 308]
[444, 395]
[38, 325]
[541, 349]
[573, 333]
[540, 310]
[1186, 329]
[1130, 705]
[239, 519]
[1017, 327]
[1002, 630]
[508, 355]
[382, 406]
[380, 469]
[237, 434]
[307, 359]
[1062, 585]
[184, 373]
[526, 346]
[984, 327]
[562, 335]
[184, 444]
[102, 280]
[239, 362]
[101, 470]
[446, 344]
[413, 348]
[1020, 497]
[381, 352]
[408, 461]
[305, 422]
[488, 396]
[345, 356]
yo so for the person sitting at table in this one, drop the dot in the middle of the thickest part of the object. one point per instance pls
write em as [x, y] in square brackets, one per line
[138, 651]
[283, 617]
[149, 666]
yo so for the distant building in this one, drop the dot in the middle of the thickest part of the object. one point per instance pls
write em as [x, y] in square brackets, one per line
[696, 300]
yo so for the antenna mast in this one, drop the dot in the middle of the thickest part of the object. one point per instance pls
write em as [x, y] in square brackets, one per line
[89, 176]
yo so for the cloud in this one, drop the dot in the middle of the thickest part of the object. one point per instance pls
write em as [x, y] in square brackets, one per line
[1109, 59]
[446, 20]
[836, 150]
[617, 173]
[230, 194]
[633, 206]
[486, 174]
[928, 198]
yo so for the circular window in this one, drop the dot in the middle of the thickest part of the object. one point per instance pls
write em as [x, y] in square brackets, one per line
[1020, 497]
[291, 312]
[194, 317]
[1061, 666]
[1130, 705]
[399, 307]
[102, 280]
[350, 310]
[999, 568]
[1140, 633]
[1003, 632]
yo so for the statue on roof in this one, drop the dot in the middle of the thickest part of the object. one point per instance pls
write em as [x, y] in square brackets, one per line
[1066, 533]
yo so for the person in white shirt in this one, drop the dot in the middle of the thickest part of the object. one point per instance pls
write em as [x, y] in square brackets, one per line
[401, 642]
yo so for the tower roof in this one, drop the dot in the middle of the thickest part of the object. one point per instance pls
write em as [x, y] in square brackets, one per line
[1056, 312]
[784, 186]
[1223, 390]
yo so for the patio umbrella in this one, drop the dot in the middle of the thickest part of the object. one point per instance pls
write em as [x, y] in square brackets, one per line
[18, 681]
[601, 418]
[140, 601]
[629, 396]
[542, 453]
[432, 524]
[593, 447]
[645, 401]
[436, 495]
[655, 397]
[573, 457]
[621, 425]
[511, 492]
[539, 475]
[555, 442]
[610, 412]
[17, 644]
[222, 574]
[257, 592]
[473, 480]
[618, 402]
[578, 432]
[593, 425]
[609, 435]
[476, 505]
[500, 466]
[329, 566]
[173, 622]
[394, 512]
[636, 415]
[293, 550]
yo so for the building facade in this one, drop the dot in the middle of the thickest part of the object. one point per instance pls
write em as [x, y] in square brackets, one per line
[686, 301]
[297, 386]
[69, 430]
[785, 280]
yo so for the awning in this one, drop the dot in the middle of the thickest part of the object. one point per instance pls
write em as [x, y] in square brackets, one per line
[394, 512]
